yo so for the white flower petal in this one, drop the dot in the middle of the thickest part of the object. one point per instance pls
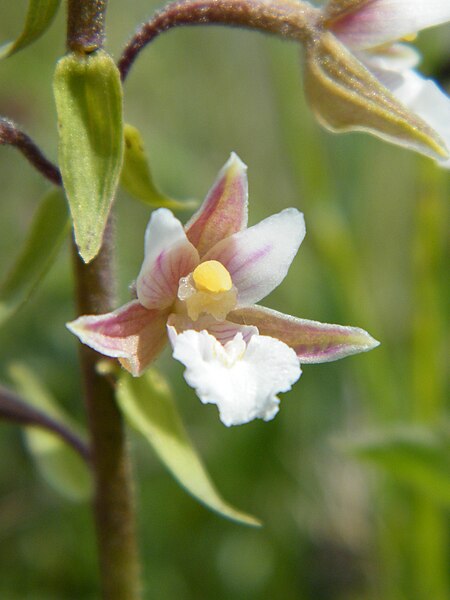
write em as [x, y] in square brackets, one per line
[258, 258]
[241, 379]
[380, 21]
[169, 255]
[396, 57]
[423, 97]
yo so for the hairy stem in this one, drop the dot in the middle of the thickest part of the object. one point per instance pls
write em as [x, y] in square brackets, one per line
[86, 25]
[114, 505]
[289, 19]
[16, 410]
[11, 135]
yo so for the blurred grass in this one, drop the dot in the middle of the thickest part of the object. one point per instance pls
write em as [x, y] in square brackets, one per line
[374, 256]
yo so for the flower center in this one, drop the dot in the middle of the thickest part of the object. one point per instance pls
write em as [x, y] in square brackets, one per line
[211, 276]
[208, 290]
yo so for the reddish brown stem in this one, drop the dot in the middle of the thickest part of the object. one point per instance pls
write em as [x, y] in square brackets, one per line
[289, 19]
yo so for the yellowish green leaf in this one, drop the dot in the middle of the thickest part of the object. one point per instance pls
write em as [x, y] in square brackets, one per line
[57, 462]
[88, 96]
[40, 15]
[148, 404]
[137, 179]
[47, 232]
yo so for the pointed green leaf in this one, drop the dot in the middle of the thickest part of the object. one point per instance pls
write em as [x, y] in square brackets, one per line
[136, 177]
[57, 462]
[416, 455]
[88, 96]
[47, 232]
[40, 14]
[149, 407]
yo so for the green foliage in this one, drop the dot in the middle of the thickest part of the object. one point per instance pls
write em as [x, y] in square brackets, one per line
[137, 179]
[57, 462]
[418, 456]
[49, 228]
[88, 96]
[39, 17]
[150, 408]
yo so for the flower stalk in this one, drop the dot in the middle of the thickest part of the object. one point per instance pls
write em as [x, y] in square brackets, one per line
[11, 135]
[290, 19]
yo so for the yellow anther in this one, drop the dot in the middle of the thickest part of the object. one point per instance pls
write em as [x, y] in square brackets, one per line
[409, 38]
[211, 276]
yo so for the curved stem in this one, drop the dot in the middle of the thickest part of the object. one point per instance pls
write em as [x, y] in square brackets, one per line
[289, 19]
[16, 410]
[11, 135]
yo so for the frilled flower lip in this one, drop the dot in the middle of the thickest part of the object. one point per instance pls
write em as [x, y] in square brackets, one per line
[239, 363]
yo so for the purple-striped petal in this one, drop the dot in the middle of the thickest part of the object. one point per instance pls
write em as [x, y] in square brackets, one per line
[258, 258]
[312, 341]
[169, 255]
[223, 331]
[377, 22]
[131, 333]
[224, 210]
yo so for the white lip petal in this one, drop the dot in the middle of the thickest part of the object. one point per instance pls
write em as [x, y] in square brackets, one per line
[258, 258]
[381, 21]
[241, 379]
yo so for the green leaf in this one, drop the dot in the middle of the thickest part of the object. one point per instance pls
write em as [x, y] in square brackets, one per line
[57, 462]
[149, 407]
[136, 177]
[88, 96]
[47, 232]
[418, 456]
[40, 14]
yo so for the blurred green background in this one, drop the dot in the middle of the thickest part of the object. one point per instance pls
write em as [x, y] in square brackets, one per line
[335, 527]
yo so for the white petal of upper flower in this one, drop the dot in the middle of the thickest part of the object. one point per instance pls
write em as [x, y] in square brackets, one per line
[258, 258]
[241, 379]
[423, 97]
[169, 255]
[396, 57]
[380, 21]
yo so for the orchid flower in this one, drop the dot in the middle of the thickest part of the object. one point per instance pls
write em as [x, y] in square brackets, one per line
[198, 288]
[361, 74]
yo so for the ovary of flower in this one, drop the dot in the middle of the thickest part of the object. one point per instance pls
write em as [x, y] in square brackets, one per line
[388, 96]
[198, 287]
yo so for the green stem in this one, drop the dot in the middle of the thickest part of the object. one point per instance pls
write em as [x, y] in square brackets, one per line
[113, 503]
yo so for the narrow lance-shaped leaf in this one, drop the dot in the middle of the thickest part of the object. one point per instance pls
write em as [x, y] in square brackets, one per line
[47, 232]
[418, 456]
[149, 407]
[88, 97]
[39, 17]
[345, 96]
[137, 179]
[57, 462]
